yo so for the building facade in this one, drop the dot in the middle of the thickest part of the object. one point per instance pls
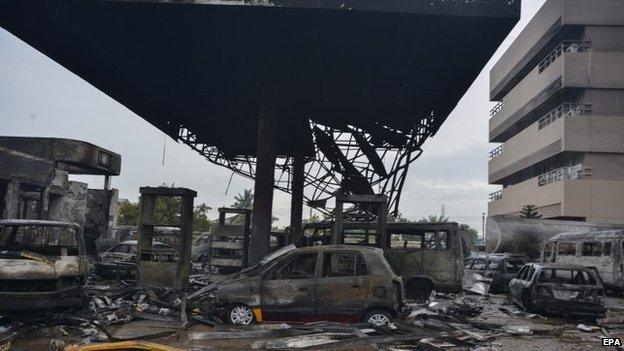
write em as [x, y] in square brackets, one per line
[559, 121]
[35, 184]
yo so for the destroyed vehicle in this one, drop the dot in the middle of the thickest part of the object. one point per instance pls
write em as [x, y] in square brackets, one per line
[43, 264]
[601, 250]
[330, 283]
[559, 289]
[428, 256]
[115, 261]
[501, 268]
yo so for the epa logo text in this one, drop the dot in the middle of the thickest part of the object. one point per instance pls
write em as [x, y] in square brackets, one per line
[611, 342]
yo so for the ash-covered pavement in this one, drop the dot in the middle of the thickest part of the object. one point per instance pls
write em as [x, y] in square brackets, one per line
[447, 322]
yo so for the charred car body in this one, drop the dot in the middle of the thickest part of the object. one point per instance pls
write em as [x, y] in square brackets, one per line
[117, 261]
[561, 289]
[600, 250]
[337, 283]
[43, 264]
[501, 268]
[428, 256]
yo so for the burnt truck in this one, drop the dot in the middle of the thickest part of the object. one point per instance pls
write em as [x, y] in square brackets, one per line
[43, 264]
[602, 251]
[428, 256]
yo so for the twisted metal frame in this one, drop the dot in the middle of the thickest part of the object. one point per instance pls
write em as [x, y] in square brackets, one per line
[322, 177]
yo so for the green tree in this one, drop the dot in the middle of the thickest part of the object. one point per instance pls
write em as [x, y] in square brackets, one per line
[201, 223]
[128, 213]
[401, 219]
[244, 199]
[434, 219]
[529, 211]
[313, 219]
[470, 234]
[167, 212]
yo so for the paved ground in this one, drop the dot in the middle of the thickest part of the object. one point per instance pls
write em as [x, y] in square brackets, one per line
[547, 334]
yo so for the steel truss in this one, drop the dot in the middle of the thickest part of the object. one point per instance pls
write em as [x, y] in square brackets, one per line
[342, 156]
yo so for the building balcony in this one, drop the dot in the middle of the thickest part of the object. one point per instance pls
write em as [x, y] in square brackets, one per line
[564, 193]
[568, 65]
[545, 191]
[511, 199]
[532, 145]
[570, 127]
[552, 21]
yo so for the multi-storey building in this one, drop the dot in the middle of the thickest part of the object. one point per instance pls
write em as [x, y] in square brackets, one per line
[559, 120]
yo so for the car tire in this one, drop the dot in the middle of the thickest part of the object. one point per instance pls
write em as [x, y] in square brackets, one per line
[378, 317]
[239, 314]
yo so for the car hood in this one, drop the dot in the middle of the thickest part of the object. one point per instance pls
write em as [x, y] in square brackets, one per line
[23, 269]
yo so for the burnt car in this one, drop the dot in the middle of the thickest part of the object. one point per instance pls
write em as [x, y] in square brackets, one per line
[331, 283]
[43, 264]
[115, 261]
[559, 289]
[500, 268]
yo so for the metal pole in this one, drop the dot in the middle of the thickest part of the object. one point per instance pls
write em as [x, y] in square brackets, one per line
[296, 202]
[265, 175]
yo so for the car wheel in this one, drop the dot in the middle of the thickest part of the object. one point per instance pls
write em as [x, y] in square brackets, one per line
[378, 318]
[240, 314]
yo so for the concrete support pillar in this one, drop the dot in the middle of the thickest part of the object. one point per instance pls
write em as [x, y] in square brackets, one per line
[44, 204]
[11, 200]
[296, 201]
[265, 175]
[107, 182]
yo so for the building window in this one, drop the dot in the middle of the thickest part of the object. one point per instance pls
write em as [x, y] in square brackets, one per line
[564, 173]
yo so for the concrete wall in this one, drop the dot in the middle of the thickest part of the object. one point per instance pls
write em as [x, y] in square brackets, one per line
[71, 206]
[101, 208]
[514, 234]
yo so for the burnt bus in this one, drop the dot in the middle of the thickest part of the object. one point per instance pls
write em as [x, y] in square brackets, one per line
[428, 256]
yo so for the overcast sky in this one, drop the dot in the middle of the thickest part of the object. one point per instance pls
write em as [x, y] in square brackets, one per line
[38, 97]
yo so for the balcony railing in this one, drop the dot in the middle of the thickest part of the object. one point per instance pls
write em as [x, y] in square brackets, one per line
[496, 195]
[564, 173]
[565, 46]
[496, 109]
[496, 152]
[565, 109]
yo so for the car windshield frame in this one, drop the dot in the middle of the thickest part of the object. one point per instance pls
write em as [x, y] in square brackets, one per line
[76, 244]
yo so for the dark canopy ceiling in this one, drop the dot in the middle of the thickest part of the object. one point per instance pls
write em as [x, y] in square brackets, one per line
[203, 65]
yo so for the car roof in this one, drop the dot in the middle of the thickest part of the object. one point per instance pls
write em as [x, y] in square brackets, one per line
[559, 266]
[499, 256]
[594, 235]
[358, 248]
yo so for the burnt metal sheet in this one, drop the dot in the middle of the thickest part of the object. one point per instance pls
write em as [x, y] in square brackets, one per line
[200, 64]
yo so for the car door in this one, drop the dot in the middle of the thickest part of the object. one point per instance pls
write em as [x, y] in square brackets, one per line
[517, 284]
[121, 252]
[510, 268]
[288, 289]
[344, 286]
